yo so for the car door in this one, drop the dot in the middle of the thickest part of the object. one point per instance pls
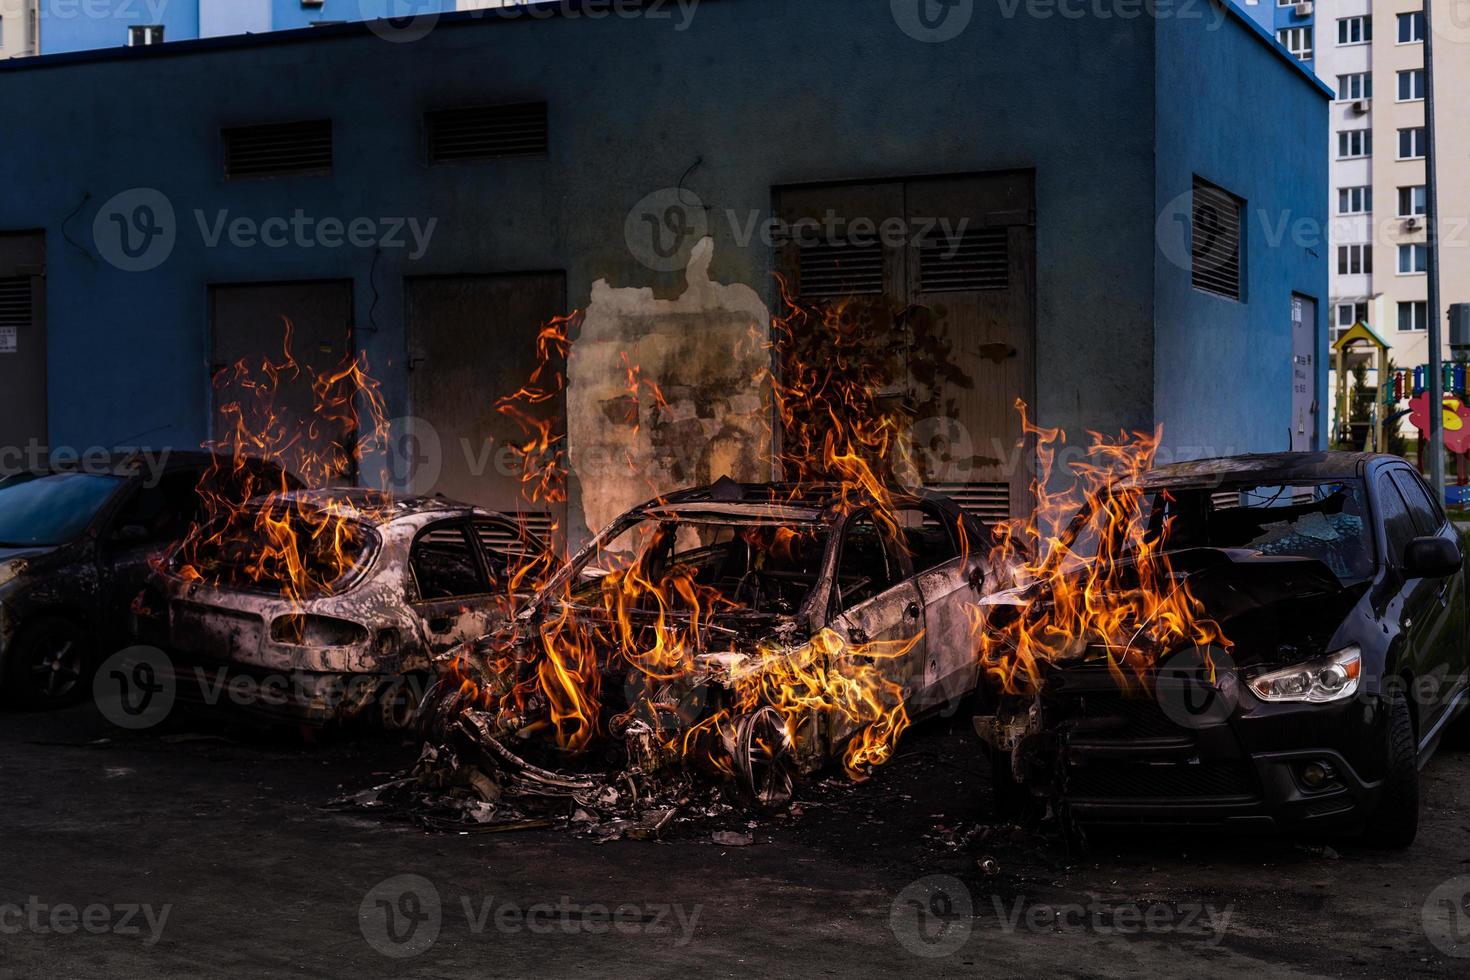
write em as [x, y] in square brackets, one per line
[155, 514]
[946, 575]
[450, 589]
[1422, 619]
[877, 608]
[1450, 639]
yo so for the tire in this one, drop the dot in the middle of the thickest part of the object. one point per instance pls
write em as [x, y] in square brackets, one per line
[50, 665]
[1395, 822]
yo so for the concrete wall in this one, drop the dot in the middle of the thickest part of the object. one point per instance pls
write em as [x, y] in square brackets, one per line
[746, 95]
[1223, 368]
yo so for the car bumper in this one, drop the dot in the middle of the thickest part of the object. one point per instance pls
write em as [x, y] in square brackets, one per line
[1246, 770]
[283, 697]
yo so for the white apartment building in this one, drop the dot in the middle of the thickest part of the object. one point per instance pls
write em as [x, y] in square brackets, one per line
[19, 28]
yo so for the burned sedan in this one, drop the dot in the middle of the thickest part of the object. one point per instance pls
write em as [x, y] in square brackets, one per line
[325, 605]
[75, 546]
[1272, 641]
[746, 631]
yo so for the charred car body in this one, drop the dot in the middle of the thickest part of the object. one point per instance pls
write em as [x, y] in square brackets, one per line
[75, 547]
[1337, 585]
[387, 582]
[757, 629]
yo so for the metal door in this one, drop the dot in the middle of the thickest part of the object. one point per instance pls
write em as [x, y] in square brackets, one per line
[472, 341]
[22, 346]
[1303, 373]
[250, 328]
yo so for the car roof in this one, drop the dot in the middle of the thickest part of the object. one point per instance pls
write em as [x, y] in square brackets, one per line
[810, 502]
[377, 508]
[1265, 467]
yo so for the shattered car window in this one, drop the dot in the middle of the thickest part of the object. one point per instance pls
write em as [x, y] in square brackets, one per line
[1326, 521]
[43, 510]
[289, 553]
[757, 566]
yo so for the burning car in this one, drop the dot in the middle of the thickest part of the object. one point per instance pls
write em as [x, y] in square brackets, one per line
[1272, 641]
[75, 546]
[749, 630]
[326, 605]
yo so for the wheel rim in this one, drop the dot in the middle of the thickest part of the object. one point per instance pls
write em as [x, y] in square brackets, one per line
[58, 668]
[764, 759]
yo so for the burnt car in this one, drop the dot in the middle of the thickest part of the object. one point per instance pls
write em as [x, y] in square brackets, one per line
[75, 546]
[404, 578]
[1336, 586]
[762, 629]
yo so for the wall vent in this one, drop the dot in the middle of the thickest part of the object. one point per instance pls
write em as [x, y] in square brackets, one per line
[990, 502]
[980, 259]
[15, 301]
[279, 149]
[1215, 239]
[487, 132]
[836, 270]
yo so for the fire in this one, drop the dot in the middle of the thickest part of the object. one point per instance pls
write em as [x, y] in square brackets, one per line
[653, 626]
[1095, 577]
[261, 532]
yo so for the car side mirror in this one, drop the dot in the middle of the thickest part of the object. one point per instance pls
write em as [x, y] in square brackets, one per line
[1432, 557]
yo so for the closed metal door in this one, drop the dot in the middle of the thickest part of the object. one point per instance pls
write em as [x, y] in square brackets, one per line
[1303, 373]
[22, 347]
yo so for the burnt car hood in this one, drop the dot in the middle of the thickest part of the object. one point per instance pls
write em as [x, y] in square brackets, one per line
[15, 562]
[1271, 607]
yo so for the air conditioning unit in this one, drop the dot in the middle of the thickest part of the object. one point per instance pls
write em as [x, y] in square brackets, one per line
[1361, 107]
[1412, 224]
[1304, 9]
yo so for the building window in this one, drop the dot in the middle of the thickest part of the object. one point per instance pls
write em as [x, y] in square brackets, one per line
[1354, 260]
[1216, 230]
[1297, 40]
[1411, 85]
[140, 36]
[1413, 258]
[1351, 88]
[1411, 27]
[1354, 200]
[1354, 30]
[1411, 143]
[1351, 314]
[1414, 316]
[1413, 201]
[1354, 143]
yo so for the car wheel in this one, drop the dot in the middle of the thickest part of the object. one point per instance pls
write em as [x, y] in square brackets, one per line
[1395, 822]
[763, 760]
[398, 704]
[49, 665]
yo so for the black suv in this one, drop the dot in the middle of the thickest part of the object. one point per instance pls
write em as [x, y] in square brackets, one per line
[1340, 585]
[75, 542]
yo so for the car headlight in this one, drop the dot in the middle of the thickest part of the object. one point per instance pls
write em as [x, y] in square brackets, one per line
[1334, 677]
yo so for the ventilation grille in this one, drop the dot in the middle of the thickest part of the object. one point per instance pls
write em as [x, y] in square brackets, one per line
[15, 301]
[501, 540]
[989, 502]
[487, 132]
[1214, 246]
[978, 260]
[279, 149]
[837, 270]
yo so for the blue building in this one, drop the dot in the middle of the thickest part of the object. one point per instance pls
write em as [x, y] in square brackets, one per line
[1112, 240]
[84, 25]
[1292, 23]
